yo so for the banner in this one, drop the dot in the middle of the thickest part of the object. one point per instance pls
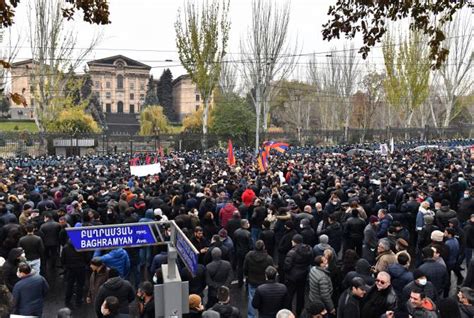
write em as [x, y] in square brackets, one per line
[145, 170]
[383, 149]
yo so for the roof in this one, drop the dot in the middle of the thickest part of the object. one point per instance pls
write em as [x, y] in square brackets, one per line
[180, 78]
[111, 60]
[24, 62]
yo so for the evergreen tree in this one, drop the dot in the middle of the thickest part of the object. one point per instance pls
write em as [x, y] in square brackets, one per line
[165, 93]
[73, 87]
[86, 88]
[151, 97]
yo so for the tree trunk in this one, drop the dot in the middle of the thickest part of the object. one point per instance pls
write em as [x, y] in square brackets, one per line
[258, 110]
[205, 114]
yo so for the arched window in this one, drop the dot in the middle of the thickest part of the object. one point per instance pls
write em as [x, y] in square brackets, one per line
[120, 107]
[119, 82]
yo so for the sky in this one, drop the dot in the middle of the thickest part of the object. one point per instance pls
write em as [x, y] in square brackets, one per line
[144, 30]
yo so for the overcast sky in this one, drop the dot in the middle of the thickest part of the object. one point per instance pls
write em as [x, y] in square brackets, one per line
[144, 30]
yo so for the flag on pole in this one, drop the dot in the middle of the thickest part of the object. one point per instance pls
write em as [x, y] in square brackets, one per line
[262, 161]
[392, 145]
[278, 146]
[230, 154]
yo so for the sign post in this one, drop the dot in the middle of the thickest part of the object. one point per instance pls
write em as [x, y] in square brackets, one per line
[171, 297]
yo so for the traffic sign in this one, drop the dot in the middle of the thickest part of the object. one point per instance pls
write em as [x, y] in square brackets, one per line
[187, 251]
[111, 236]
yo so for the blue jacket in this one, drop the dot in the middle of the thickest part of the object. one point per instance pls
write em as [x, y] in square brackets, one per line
[118, 259]
[400, 276]
[384, 225]
[435, 273]
[453, 247]
[29, 293]
[158, 260]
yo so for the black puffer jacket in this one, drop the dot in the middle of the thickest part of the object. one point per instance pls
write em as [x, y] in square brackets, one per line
[354, 228]
[269, 298]
[119, 288]
[297, 262]
[10, 267]
[255, 264]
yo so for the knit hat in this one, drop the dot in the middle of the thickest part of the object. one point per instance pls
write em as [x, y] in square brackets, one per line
[323, 239]
[223, 233]
[158, 211]
[468, 293]
[194, 301]
[437, 236]
[402, 243]
[417, 273]
[428, 219]
[373, 219]
[297, 238]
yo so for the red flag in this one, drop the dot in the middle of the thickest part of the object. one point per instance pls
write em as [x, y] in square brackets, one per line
[162, 154]
[147, 159]
[230, 154]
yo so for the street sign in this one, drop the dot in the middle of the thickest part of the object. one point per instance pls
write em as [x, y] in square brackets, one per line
[187, 251]
[111, 236]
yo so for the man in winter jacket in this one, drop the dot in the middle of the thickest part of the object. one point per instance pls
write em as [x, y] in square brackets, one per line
[421, 283]
[349, 301]
[271, 296]
[255, 264]
[100, 274]
[225, 214]
[15, 256]
[385, 256]
[434, 271]
[74, 263]
[218, 273]
[399, 273]
[29, 292]
[296, 269]
[284, 246]
[354, 232]
[466, 302]
[385, 220]
[320, 285]
[116, 258]
[118, 287]
[469, 234]
[381, 298]
[420, 306]
[33, 246]
[49, 231]
[242, 245]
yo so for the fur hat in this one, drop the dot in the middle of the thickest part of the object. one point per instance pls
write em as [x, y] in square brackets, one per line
[437, 236]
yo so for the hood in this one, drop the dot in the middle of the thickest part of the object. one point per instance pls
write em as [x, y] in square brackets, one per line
[260, 256]
[455, 221]
[149, 214]
[114, 283]
[444, 209]
[13, 254]
[247, 197]
[229, 207]
[362, 266]
[303, 251]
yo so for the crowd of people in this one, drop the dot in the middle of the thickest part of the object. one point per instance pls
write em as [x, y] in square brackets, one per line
[319, 234]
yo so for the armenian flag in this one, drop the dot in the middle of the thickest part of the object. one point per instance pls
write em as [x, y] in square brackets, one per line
[230, 154]
[278, 146]
[262, 161]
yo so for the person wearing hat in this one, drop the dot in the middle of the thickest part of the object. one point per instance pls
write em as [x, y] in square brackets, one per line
[349, 301]
[296, 267]
[466, 302]
[437, 241]
[195, 307]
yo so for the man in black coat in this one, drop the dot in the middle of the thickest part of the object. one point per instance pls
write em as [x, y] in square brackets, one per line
[434, 271]
[33, 246]
[118, 287]
[349, 301]
[49, 231]
[354, 232]
[255, 264]
[75, 264]
[271, 296]
[284, 246]
[296, 269]
[242, 245]
[218, 273]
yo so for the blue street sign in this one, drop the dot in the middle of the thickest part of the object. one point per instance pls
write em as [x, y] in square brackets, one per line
[111, 236]
[186, 251]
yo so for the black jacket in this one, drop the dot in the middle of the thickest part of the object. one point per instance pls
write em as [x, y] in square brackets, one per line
[33, 246]
[50, 233]
[255, 264]
[70, 258]
[242, 242]
[218, 273]
[10, 267]
[354, 229]
[334, 232]
[435, 273]
[119, 288]
[297, 263]
[268, 237]
[284, 245]
[348, 305]
[269, 298]
[226, 310]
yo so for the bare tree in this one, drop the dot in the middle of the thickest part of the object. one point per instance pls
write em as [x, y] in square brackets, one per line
[54, 50]
[9, 48]
[267, 56]
[201, 37]
[457, 79]
[228, 78]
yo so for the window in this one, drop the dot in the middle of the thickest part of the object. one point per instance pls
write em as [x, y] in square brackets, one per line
[107, 84]
[198, 98]
[132, 96]
[132, 85]
[97, 84]
[142, 97]
[108, 95]
[120, 107]
[108, 108]
[119, 82]
[132, 109]
[142, 86]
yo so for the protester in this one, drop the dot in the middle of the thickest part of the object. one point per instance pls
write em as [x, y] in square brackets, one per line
[29, 292]
[271, 296]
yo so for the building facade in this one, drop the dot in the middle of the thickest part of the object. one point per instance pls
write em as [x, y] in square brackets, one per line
[21, 73]
[120, 83]
[186, 97]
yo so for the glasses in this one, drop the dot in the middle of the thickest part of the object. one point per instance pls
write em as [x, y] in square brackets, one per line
[380, 281]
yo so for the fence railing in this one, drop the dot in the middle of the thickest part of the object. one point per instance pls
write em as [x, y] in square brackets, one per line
[37, 144]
